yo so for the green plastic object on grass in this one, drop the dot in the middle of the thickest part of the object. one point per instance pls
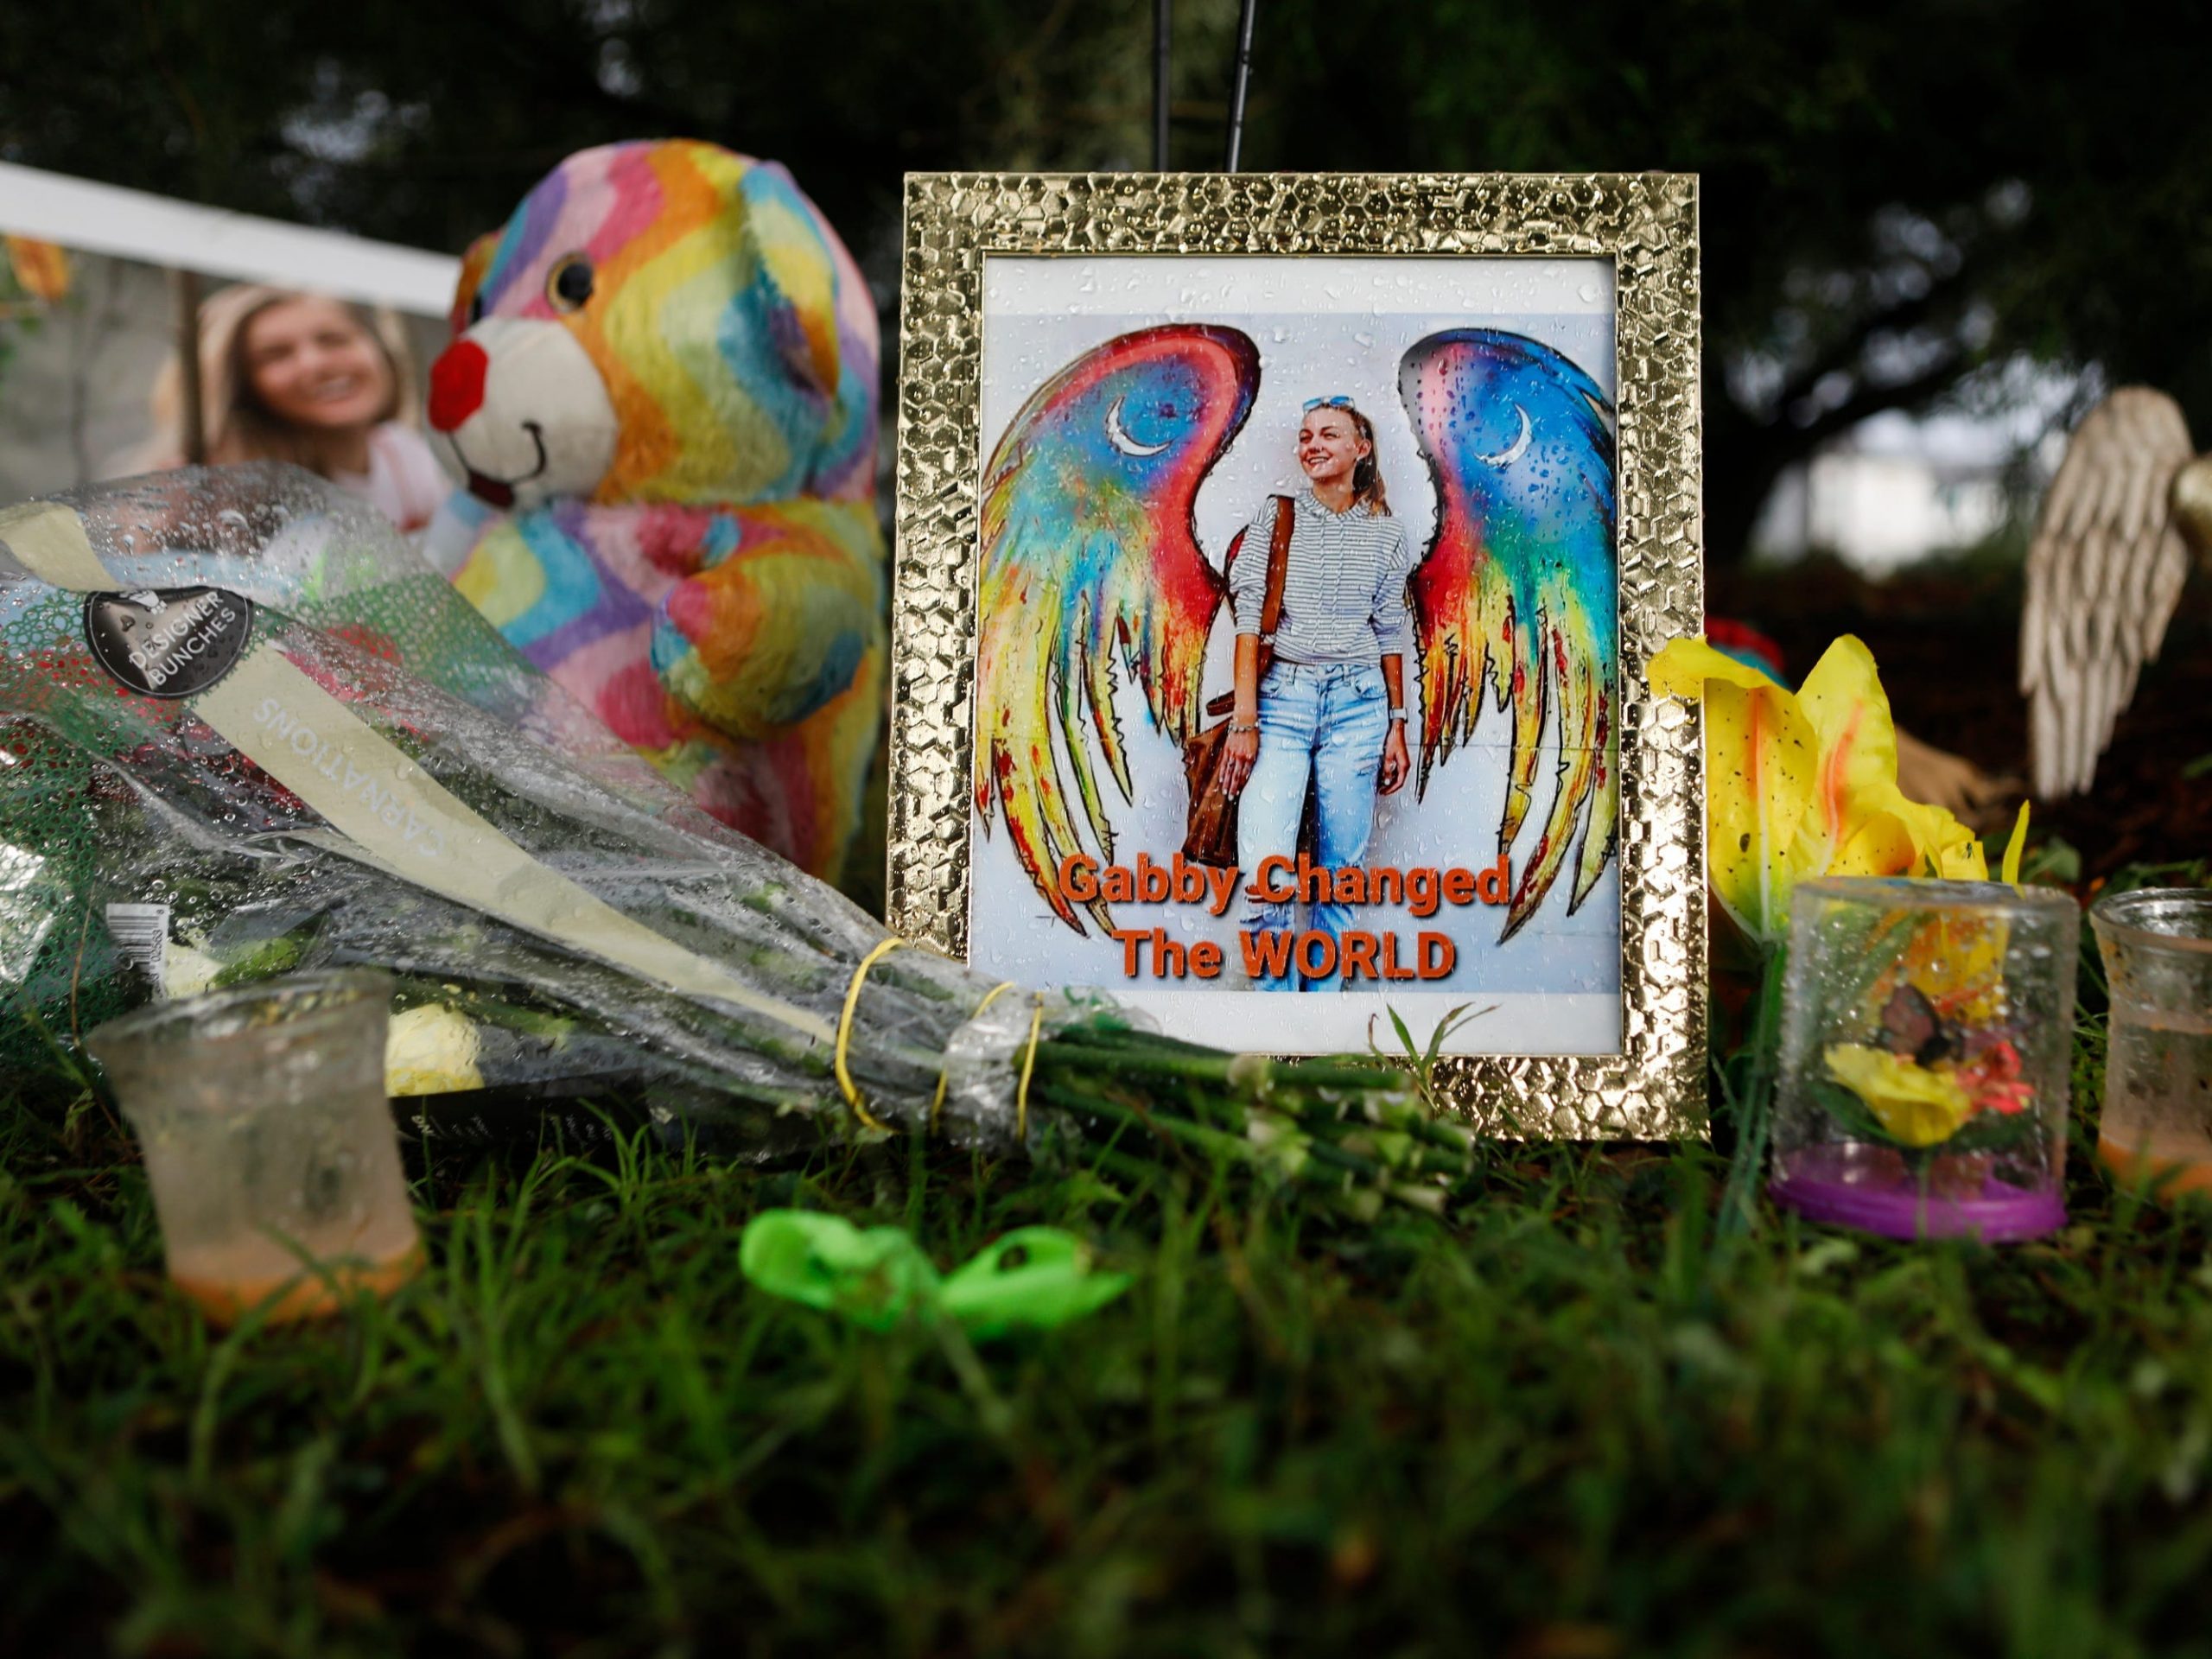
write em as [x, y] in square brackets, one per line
[1033, 1279]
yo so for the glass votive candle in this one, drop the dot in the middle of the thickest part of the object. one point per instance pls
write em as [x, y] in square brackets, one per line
[2156, 944]
[1926, 1041]
[271, 1153]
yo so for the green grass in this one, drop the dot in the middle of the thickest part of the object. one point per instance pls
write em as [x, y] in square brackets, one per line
[1561, 1423]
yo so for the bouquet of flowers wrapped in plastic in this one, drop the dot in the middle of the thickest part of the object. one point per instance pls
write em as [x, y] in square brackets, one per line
[244, 729]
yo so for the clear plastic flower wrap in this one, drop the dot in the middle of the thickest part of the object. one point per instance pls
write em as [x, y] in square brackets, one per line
[246, 729]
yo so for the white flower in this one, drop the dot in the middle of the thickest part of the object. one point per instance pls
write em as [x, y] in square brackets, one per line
[431, 1050]
[186, 971]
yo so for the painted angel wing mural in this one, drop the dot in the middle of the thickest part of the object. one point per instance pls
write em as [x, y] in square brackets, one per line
[1092, 567]
[2105, 571]
[1518, 587]
[1090, 558]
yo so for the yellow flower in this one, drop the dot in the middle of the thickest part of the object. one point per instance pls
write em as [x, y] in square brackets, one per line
[40, 269]
[1917, 1106]
[431, 1050]
[1956, 959]
[1797, 785]
[1805, 783]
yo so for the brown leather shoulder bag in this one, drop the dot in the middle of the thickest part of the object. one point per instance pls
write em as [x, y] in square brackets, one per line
[1210, 837]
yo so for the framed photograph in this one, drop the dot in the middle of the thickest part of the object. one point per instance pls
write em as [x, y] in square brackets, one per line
[1278, 559]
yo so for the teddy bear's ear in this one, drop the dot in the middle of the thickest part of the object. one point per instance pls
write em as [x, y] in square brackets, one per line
[798, 262]
[473, 265]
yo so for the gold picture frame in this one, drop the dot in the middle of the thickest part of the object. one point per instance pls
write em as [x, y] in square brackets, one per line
[1644, 227]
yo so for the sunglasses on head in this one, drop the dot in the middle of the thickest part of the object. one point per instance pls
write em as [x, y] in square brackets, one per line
[1338, 401]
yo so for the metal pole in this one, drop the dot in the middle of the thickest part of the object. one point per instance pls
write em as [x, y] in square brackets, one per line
[192, 428]
[1163, 33]
[1243, 80]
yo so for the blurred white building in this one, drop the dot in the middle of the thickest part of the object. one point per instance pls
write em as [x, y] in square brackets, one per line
[1878, 512]
[1895, 489]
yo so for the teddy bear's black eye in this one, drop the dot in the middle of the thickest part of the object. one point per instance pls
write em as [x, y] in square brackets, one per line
[475, 308]
[569, 284]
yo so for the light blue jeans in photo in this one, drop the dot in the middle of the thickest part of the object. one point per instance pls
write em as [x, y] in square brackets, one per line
[1327, 721]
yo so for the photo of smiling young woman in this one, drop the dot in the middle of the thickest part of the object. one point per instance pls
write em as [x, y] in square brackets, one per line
[286, 376]
[1329, 712]
[1139, 419]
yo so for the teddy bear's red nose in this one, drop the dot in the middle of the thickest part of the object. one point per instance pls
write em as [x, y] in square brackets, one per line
[457, 384]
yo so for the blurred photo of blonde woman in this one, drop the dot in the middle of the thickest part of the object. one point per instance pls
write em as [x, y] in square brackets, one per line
[287, 376]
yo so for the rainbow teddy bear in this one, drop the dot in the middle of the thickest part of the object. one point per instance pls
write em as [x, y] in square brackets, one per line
[662, 389]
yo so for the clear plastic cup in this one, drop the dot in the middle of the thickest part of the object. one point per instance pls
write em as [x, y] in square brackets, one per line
[1926, 1048]
[272, 1153]
[2156, 944]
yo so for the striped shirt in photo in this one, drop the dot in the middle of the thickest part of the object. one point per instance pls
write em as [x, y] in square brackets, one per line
[1344, 590]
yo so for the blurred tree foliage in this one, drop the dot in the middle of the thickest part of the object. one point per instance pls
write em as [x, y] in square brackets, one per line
[1898, 194]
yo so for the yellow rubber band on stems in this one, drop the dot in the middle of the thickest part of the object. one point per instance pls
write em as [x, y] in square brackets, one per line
[851, 1089]
[1028, 1064]
[845, 1032]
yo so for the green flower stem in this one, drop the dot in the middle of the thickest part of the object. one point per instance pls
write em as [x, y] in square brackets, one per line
[1353, 1111]
[1314, 1163]
[1446, 1134]
[1197, 1136]
[1352, 1163]
[1754, 1103]
[1247, 1073]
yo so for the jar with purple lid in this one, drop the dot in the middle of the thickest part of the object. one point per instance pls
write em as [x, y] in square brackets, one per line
[1926, 1048]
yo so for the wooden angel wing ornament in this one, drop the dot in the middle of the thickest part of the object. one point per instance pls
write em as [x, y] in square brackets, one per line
[2105, 571]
